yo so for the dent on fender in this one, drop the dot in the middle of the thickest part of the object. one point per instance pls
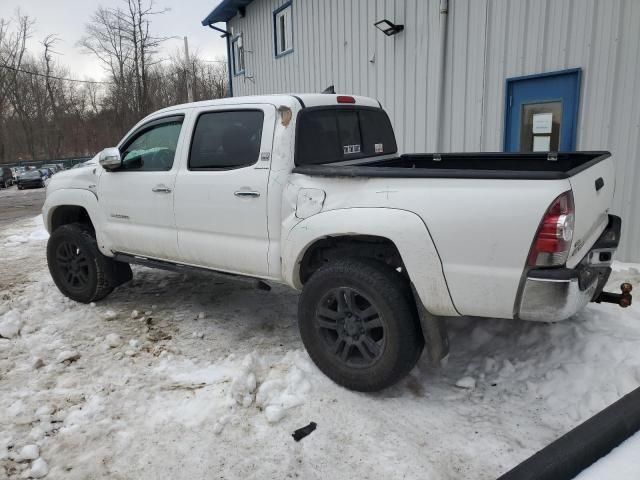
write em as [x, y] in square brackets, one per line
[405, 229]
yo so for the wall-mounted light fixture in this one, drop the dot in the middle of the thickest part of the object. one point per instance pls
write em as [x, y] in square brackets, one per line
[388, 28]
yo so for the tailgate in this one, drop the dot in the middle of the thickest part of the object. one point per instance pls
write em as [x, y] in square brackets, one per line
[593, 190]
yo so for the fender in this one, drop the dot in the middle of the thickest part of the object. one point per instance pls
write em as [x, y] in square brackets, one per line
[76, 197]
[405, 229]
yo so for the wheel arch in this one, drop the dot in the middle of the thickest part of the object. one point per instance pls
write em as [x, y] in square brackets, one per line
[385, 232]
[69, 206]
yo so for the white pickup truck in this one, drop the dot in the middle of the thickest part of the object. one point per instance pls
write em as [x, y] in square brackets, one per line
[308, 190]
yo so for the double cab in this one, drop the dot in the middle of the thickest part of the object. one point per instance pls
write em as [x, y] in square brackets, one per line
[310, 191]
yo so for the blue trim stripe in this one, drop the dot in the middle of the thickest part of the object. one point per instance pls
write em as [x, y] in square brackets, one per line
[225, 11]
[233, 57]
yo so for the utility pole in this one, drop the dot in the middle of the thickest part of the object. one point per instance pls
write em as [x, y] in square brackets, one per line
[188, 73]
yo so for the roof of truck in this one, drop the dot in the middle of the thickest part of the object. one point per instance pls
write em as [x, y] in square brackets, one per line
[292, 100]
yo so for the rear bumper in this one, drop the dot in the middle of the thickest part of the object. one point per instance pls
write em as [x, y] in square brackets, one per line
[551, 295]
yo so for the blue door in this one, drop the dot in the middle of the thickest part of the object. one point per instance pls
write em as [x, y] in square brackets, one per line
[542, 112]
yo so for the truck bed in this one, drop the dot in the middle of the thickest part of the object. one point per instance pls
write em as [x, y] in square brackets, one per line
[490, 165]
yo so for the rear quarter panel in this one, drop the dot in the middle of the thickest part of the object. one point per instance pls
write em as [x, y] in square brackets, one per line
[482, 229]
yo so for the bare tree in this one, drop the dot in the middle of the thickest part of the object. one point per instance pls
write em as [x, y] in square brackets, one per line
[52, 116]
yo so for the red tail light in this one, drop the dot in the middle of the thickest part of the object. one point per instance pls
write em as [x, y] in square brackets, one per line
[345, 99]
[553, 240]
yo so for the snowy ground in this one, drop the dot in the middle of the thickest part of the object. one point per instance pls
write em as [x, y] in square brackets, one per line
[192, 377]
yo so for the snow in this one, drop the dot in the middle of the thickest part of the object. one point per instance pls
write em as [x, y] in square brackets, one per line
[466, 382]
[67, 356]
[39, 469]
[28, 452]
[10, 324]
[213, 378]
[621, 463]
[113, 340]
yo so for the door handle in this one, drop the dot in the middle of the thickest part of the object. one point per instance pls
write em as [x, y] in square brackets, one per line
[161, 189]
[246, 193]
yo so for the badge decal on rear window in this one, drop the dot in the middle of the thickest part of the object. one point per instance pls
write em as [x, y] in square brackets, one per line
[347, 149]
[379, 148]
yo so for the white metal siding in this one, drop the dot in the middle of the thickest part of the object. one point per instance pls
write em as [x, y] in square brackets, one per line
[335, 43]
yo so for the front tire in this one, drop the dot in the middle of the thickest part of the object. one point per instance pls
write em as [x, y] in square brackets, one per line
[358, 324]
[76, 265]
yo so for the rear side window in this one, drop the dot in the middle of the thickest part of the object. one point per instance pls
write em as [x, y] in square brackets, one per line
[225, 140]
[336, 134]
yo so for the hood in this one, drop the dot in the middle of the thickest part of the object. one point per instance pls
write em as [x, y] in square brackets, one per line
[84, 178]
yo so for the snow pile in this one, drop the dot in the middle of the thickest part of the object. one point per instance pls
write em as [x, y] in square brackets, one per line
[276, 394]
[272, 386]
[10, 324]
[209, 375]
[36, 234]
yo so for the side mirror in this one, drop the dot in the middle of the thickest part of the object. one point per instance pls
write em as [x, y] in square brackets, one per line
[110, 158]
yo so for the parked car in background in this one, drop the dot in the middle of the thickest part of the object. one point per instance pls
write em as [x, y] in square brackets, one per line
[17, 171]
[47, 172]
[60, 166]
[32, 179]
[6, 177]
[53, 167]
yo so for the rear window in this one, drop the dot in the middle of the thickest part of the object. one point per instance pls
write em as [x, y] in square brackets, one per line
[336, 134]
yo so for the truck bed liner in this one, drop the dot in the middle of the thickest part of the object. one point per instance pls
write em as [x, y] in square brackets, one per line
[490, 165]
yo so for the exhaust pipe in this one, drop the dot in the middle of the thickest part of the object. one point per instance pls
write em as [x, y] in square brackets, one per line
[623, 299]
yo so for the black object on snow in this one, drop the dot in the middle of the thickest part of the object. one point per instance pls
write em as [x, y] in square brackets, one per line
[572, 453]
[304, 431]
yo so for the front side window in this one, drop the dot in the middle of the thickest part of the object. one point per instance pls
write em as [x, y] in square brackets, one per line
[226, 140]
[152, 149]
[238, 55]
[283, 29]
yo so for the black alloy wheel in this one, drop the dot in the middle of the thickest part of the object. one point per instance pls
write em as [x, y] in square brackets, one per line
[74, 265]
[351, 326]
[359, 324]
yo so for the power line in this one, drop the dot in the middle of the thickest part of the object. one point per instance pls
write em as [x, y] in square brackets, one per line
[36, 74]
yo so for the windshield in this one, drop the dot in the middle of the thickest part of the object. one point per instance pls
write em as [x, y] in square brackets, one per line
[31, 174]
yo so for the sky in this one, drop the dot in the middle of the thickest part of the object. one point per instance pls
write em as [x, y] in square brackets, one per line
[67, 19]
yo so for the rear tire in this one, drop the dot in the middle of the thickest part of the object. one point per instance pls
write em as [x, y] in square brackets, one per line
[358, 324]
[77, 267]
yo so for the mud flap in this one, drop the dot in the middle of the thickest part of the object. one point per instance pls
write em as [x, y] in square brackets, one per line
[434, 331]
[119, 273]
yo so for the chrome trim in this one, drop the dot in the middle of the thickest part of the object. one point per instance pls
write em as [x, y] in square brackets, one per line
[552, 300]
[109, 158]
[593, 257]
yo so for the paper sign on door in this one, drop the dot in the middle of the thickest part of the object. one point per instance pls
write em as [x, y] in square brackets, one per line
[542, 122]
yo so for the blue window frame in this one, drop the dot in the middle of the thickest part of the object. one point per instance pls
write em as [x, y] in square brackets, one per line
[237, 54]
[283, 30]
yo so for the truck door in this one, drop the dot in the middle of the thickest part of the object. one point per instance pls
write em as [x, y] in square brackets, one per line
[542, 112]
[221, 194]
[137, 198]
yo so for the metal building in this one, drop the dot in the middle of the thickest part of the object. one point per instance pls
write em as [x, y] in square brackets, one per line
[462, 75]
